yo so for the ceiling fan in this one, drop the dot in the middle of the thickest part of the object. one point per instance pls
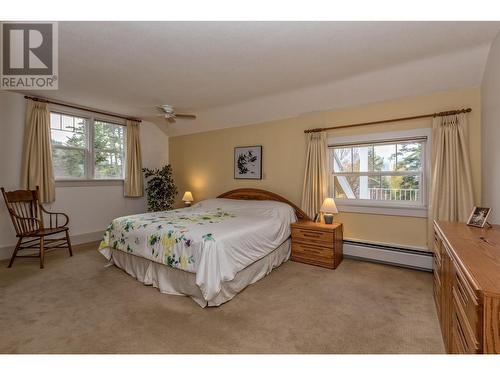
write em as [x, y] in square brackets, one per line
[170, 115]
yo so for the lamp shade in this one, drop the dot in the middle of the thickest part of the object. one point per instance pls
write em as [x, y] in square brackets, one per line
[187, 197]
[329, 206]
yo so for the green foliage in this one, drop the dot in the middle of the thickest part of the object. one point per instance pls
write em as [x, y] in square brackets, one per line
[378, 165]
[409, 159]
[73, 161]
[108, 148]
[161, 190]
[406, 156]
[108, 145]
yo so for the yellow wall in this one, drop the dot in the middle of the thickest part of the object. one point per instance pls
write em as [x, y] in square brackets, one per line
[203, 162]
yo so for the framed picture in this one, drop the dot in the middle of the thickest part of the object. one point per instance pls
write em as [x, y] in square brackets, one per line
[248, 163]
[479, 216]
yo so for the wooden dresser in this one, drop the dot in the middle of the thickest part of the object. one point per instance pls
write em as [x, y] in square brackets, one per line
[317, 243]
[467, 287]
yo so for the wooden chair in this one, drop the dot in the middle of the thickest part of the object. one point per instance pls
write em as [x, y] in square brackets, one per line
[27, 215]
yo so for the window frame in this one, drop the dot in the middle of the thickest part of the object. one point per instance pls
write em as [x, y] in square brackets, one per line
[397, 208]
[93, 150]
[84, 149]
[89, 177]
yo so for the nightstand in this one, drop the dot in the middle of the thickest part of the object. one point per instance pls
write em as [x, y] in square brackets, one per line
[317, 243]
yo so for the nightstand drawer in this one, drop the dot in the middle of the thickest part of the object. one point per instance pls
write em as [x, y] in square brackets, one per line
[312, 254]
[307, 235]
[318, 244]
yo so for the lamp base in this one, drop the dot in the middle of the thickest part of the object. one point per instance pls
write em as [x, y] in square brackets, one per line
[328, 218]
[187, 204]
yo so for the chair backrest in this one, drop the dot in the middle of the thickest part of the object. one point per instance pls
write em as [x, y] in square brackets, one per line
[23, 204]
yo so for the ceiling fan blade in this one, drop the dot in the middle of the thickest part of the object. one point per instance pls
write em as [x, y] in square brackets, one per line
[171, 120]
[186, 115]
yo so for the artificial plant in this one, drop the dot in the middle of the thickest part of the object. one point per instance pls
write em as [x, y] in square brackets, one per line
[161, 190]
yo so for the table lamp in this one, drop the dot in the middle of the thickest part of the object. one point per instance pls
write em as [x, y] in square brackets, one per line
[328, 208]
[187, 198]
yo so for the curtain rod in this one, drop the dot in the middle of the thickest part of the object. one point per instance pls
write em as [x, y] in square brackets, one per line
[447, 113]
[74, 106]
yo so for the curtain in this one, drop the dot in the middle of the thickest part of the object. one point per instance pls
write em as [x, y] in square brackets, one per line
[315, 186]
[134, 182]
[452, 196]
[36, 168]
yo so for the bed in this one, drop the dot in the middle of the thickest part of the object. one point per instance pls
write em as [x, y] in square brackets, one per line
[209, 251]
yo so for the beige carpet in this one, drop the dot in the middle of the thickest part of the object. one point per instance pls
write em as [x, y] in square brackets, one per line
[75, 305]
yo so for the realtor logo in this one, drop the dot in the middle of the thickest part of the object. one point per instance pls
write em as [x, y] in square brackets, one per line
[29, 59]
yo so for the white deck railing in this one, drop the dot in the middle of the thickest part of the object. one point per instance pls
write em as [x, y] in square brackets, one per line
[394, 194]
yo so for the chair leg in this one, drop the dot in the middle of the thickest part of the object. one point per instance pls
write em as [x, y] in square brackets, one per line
[42, 252]
[15, 253]
[69, 244]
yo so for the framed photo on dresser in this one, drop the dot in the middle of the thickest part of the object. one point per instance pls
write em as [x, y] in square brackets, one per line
[248, 163]
[479, 216]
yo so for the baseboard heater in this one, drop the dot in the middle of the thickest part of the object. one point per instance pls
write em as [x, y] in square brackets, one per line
[394, 255]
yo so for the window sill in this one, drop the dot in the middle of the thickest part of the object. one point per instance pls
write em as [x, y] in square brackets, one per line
[379, 209]
[82, 183]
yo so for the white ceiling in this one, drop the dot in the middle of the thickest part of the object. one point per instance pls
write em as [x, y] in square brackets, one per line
[221, 70]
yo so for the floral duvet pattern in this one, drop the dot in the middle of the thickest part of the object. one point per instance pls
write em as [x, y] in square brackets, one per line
[214, 239]
[167, 236]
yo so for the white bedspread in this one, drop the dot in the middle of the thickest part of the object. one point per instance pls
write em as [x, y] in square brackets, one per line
[215, 239]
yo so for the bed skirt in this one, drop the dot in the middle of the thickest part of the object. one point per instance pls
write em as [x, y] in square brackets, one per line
[178, 282]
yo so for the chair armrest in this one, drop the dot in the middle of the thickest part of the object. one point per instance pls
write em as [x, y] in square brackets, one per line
[24, 228]
[56, 219]
[25, 218]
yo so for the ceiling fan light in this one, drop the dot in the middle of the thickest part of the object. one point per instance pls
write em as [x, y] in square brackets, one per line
[167, 108]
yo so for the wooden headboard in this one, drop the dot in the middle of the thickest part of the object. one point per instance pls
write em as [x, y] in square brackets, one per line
[262, 195]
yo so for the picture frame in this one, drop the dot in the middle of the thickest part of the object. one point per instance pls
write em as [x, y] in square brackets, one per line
[479, 216]
[248, 163]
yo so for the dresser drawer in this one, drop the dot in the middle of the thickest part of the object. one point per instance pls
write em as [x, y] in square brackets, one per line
[437, 249]
[437, 289]
[437, 272]
[320, 237]
[312, 254]
[437, 300]
[463, 337]
[436, 267]
[437, 261]
[459, 344]
[466, 299]
[437, 280]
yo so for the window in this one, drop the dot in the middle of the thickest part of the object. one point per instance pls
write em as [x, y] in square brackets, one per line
[389, 173]
[69, 136]
[84, 148]
[109, 153]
